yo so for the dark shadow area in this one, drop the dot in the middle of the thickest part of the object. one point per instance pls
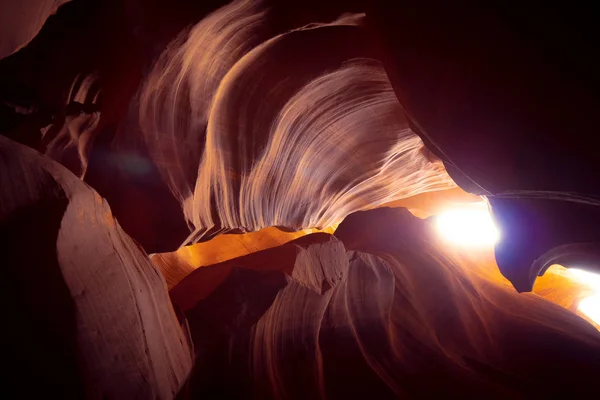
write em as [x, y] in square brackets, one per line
[39, 315]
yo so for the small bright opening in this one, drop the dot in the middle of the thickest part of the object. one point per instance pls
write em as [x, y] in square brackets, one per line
[469, 225]
[590, 306]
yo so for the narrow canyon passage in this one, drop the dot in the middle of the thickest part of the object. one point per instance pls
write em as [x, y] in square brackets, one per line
[298, 199]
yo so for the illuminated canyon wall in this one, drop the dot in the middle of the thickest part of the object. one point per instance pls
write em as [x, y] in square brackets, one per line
[240, 200]
[20, 21]
[85, 312]
[387, 303]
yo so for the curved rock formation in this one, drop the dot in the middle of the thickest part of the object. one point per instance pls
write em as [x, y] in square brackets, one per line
[313, 141]
[507, 100]
[274, 121]
[85, 312]
[231, 113]
[382, 312]
[21, 20]
[178, 264]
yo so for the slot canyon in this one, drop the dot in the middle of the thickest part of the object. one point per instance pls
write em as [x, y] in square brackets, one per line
[299, 199]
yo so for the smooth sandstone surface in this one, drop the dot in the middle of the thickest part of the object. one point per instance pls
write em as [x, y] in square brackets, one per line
[86, 313]
[388, 313]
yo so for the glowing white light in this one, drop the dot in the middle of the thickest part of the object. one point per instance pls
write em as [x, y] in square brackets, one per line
[590, 306]
[470, 225]
[589, 278]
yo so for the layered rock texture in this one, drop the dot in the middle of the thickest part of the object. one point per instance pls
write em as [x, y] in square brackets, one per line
[233, 199]
[386, 313]
[86, 313]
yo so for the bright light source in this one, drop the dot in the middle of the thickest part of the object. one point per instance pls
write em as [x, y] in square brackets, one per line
[590, 306]
[589, 278]
[469, 225]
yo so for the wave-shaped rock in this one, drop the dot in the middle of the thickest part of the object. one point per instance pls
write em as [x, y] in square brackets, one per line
[21, 20]
[266, 116]
[382, 312]
[510, 118]
[85, 312]
[283, 142]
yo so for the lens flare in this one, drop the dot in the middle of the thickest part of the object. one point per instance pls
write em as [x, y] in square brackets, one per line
[590, 306]
[470, 225]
